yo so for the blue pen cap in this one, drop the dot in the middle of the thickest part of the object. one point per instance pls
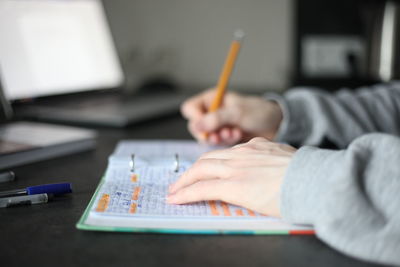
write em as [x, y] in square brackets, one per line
[56, 189]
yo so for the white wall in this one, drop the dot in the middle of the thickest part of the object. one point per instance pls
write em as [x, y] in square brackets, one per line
[189, 39]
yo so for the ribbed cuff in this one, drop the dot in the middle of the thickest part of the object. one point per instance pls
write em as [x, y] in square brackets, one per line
[285, 120]
[295, 126]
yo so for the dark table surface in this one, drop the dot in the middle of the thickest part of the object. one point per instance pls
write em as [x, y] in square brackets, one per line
[45, 235]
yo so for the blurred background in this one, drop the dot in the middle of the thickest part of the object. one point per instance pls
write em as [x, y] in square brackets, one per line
[189, 40]
[57, 48]
[288, 42]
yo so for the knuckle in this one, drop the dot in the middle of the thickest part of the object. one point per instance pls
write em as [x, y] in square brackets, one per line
[250, 146]
[205, 155]
[243, 149]
[258, 139]
[208, 155]
[237, 146]
[184, 107]
[199, 164]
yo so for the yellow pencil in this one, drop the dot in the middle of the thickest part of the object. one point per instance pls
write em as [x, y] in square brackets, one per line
[226, 73]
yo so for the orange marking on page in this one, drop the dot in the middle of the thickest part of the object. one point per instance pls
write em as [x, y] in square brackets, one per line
[135, 195]
[239, 212]
[134, 178]
[225, 208]
[251, 213]
[103, 203]
[214, 209]
[133, 208]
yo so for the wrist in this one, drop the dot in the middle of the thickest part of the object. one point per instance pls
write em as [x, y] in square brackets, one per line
[274, 119]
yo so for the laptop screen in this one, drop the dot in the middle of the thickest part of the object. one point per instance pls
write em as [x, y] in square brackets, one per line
[53, 47]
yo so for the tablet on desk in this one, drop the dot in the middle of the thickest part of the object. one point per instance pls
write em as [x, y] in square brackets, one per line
[27, 142]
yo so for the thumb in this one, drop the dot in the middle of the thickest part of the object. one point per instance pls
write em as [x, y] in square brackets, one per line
[214, 120]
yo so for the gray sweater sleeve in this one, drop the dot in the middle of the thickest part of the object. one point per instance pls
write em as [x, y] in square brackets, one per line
[312, 115]
[350, 196]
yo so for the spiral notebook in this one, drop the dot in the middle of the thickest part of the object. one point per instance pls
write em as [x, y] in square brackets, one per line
[131, 196]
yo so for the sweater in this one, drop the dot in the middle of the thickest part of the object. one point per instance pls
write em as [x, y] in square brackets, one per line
[351, 196]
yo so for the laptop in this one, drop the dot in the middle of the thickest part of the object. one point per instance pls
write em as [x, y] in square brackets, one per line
[28, 142]
[59, 63]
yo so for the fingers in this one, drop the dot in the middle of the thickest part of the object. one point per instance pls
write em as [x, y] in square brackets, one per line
[214, 139]
[225, 133]
[196, 106]
[226, 136]
[193, 108]
[206, 190]
[218, 126]
[199, 136]
[212, 127]
[253, 116]
[203, 169]
[231, 136]
[213, 121]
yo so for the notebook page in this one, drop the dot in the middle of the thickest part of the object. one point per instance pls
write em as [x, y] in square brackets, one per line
[138, 198]
[143, 193]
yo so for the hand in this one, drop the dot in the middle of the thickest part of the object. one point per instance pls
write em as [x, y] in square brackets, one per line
[239, 119]
[248, 175]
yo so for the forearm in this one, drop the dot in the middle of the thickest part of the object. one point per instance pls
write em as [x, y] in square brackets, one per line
[310, 116]
[349, 196]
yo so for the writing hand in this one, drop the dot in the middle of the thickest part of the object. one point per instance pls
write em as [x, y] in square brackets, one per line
[239, 119]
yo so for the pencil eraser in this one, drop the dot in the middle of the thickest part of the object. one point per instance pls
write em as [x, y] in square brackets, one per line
[238, 35]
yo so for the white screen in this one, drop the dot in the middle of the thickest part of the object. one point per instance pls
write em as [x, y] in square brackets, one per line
[50, 47]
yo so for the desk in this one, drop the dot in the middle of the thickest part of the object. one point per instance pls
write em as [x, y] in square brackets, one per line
[45, 235]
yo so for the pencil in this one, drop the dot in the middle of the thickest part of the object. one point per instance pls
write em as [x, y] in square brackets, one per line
[226, 73]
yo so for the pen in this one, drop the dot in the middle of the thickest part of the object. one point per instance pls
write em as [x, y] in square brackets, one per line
[23, 200]
[7, 176]
[226, 72]
[55, 189]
